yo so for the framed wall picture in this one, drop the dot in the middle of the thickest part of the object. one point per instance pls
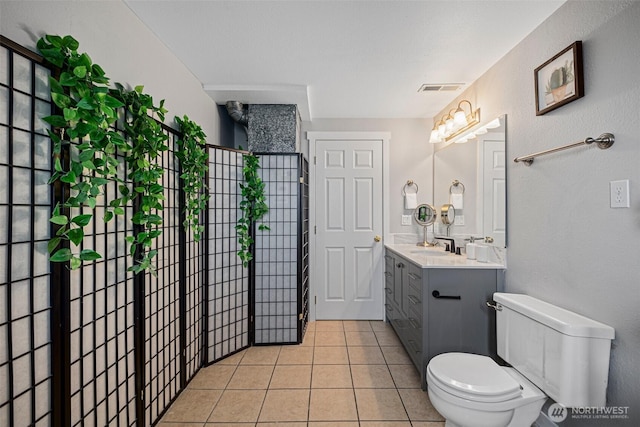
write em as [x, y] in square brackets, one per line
[559, 80]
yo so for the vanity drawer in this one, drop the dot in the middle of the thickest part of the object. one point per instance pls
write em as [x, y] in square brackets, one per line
[414, 346]
[415, 273]
[414, 298]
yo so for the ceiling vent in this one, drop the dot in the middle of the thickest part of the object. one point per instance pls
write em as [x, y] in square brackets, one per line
[440, 87]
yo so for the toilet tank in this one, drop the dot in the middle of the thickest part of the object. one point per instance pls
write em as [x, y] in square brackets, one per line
[563, 353]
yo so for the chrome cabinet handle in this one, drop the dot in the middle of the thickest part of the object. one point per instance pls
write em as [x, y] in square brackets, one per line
[414, 323]
[413, 276]
[400, 265]
[388, 274]
[388, 290]
[413, 300]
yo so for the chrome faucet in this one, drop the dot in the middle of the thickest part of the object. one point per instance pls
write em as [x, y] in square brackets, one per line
[452, 243]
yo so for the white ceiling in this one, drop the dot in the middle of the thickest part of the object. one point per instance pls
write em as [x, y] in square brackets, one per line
[340, 59]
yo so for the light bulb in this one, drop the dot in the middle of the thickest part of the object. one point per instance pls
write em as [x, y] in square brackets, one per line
[460, 118]
[449, 125]
[435, 137]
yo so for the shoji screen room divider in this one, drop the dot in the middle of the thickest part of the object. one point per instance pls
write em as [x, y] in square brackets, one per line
[99, 345]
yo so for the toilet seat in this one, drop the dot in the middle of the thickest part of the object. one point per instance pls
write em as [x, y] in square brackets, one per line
[473, 377]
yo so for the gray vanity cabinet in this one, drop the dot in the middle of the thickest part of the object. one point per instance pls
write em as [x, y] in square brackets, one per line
[440, 310]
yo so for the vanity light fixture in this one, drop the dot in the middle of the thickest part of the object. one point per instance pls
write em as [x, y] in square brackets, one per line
[449, 126]
[480, 131]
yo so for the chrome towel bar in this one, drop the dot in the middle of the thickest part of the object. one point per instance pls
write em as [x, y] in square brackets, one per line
[604, 141]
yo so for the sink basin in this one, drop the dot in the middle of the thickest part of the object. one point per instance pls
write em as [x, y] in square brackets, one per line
[429, 252]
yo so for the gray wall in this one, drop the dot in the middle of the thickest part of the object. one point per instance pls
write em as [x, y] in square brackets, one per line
[113, 36]
[566, 245]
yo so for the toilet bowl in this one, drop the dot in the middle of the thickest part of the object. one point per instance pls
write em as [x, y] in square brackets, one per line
[474, 391]
[542, 343]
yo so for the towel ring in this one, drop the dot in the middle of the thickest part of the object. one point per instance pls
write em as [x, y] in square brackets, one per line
[409, 183]
[456, 184]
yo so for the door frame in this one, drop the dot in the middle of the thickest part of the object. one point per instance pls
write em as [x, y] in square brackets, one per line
[312, 137]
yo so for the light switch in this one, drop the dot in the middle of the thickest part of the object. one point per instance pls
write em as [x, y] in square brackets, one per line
[406, 219]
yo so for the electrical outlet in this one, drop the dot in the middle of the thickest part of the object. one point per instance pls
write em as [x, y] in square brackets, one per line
[406, 219]
[619, 193]
[459, 220]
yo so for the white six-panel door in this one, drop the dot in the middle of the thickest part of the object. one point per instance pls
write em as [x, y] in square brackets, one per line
[348, 209]
[494, 185]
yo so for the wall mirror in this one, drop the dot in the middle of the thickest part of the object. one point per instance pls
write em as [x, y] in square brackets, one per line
[480, 198]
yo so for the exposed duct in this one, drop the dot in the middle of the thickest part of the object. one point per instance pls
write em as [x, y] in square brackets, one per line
[237, 112]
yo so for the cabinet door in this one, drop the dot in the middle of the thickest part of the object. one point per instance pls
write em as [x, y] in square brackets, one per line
[389, 278]
[458, 317]
[399, 279]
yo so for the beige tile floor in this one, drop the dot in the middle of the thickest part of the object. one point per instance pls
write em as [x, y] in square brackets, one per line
[344, 374]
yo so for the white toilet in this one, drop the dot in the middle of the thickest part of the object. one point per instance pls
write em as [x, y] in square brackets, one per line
[553, 353]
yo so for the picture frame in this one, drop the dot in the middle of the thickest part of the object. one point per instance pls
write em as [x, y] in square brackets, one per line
[559, 80]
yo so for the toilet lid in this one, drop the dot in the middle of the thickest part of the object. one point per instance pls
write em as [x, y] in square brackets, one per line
[473, 377]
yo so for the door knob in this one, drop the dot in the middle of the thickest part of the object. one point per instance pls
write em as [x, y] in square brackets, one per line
[377, 238]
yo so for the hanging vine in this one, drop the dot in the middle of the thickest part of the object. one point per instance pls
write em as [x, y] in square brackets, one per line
[253, 206]
[145, 143]
[82, 95]
[89, 111]
[194, 163]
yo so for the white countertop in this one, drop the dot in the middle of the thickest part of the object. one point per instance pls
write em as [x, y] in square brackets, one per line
[436, 257]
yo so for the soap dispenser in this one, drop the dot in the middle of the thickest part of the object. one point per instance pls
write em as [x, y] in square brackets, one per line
[471, 248]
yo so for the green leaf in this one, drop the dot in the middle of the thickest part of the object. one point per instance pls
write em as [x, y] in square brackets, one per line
[75, 263]
[118, 211]
[55, 86]
[86, 104]
[82, 220]
[61, 255]
[80, 71]
[70, 42]
[69, 177]
[68, 79]
[61, 100]
[59, 220]
[89, 255]
[76, 235]
[53, 244]
[108, 215]
[86, 155]
[70, 114]
[89, 165]
[112, 102]
[154, 219]
[55, 121]
[99, 181]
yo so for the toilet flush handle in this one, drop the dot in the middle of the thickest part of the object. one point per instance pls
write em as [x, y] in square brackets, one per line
[495, 306]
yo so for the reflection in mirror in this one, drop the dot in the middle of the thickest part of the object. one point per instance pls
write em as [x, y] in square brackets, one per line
[479, 164]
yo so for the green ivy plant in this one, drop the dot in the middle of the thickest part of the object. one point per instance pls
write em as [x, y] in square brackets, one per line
[89, 111]
[193, 158]
[253, 206]
[146, 141]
